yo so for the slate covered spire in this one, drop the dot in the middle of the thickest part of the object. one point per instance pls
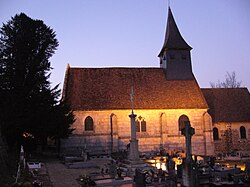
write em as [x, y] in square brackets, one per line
[175, 56]
[173, 38]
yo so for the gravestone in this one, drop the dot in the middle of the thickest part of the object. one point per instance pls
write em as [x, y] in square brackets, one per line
[189, 175]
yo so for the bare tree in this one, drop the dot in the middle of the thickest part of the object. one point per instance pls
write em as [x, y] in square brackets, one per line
[230, 82]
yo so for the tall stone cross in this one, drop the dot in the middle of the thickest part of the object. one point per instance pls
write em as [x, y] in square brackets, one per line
[188, 132]
[188, 173]
[132, 99]
[133, 151]
[132, 116]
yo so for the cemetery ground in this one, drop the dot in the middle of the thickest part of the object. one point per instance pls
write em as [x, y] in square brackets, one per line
[54, 172]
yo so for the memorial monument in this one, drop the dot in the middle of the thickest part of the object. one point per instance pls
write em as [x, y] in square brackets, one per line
[133, 161]
[133, 149]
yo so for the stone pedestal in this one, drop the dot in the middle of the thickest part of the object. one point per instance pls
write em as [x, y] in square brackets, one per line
[133, 161]
[133, 151]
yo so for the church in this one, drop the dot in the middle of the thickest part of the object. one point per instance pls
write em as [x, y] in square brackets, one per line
[164, 98]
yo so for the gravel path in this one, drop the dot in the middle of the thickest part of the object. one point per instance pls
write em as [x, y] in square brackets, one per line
[61, 176]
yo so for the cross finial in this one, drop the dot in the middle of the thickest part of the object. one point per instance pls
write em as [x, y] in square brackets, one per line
[132, 98]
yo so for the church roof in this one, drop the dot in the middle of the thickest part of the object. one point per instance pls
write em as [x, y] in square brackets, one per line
[173, 38]
[228, 104]
[109, 88]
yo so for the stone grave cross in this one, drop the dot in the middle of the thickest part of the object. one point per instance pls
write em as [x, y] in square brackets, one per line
[188, 172]
[188, 132]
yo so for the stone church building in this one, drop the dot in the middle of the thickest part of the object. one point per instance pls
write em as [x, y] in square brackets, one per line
[230, 111]
[164, 98]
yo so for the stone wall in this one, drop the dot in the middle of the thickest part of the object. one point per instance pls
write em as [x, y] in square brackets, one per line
[229, 137]
[161, 129]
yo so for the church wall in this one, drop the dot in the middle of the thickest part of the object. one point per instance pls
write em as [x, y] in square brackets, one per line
[202, 142]
[162, 128]
[230, 138]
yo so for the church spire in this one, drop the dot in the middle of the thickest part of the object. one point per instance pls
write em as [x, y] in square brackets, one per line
[173, 38]
[175, 55]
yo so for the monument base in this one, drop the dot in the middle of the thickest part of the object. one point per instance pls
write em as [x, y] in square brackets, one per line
[133, 150]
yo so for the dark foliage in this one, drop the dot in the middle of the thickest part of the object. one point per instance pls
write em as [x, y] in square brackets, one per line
[28, 103]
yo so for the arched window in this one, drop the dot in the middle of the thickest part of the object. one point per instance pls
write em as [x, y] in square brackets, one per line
[89, 124]
[215, 133]
[243, 132]
[113, 131]
[143, 126]
[138, 129]
[182, 120]
[113, 124]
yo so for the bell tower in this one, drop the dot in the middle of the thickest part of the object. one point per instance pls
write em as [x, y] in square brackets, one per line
[175, 55]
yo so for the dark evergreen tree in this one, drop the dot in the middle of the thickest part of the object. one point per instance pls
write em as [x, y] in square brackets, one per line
[29, 106]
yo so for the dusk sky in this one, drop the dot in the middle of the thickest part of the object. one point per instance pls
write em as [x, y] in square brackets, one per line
[130, 33]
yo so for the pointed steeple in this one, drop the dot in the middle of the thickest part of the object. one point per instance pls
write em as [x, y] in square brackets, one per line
[175, 55]
[173, 38]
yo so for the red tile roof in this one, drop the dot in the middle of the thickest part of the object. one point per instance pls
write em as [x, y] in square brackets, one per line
[109, 88]
[228, 104]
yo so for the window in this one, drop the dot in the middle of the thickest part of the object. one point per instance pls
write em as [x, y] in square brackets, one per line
[215, 133]
[138, 129]
[141, 125]
[164, 57]
[113, 124]
[89, 124]
[243, 132]
[182, 120]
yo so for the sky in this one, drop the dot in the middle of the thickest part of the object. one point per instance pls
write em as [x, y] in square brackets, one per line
[130, 33]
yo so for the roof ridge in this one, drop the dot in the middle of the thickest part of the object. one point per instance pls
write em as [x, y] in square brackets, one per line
[115, 68]
[224, 88]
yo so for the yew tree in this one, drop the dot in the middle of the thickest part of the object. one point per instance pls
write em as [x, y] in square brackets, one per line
[30, 108]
